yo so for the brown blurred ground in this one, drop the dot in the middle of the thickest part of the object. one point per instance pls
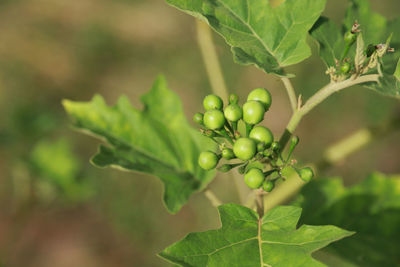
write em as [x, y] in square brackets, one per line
[55, 49]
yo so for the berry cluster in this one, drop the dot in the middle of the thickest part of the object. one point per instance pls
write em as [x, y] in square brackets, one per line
[250, 147]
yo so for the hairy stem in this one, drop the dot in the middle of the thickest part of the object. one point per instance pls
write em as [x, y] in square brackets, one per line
[291, 93]
[317, 99]
[213, 198]
[332, 155]
[210, 58]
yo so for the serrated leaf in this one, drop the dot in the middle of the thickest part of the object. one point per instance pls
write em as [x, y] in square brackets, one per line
[371, 208]
[247, 241]
[269, 37]
[157, 140]
[375, 30]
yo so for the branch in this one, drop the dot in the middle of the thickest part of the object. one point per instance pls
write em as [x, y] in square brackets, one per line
[213, 198]
[291, 93]
[210, 58]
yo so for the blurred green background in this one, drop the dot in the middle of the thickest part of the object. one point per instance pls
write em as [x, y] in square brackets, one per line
[58, 210]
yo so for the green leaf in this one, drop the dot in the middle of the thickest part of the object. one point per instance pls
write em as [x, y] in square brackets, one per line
[269, 37]
[330, 40]
[375, 30]
[157, 140]
[244, 237]
[371, 208]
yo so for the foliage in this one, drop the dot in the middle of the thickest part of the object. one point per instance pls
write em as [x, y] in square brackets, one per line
[371, 208]
[247, 240]
[157, 140]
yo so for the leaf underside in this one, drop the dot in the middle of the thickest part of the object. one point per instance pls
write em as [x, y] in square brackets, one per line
[375, 30]
[244, 237]
[371, 208]
[269, 37]
[157, 140]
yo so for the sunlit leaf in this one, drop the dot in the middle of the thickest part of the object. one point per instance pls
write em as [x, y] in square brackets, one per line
[157, 140]
[269, 37]
[245, 240]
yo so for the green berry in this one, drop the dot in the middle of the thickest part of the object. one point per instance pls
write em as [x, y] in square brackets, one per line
[345, 68]
[262, 95]
[268, 186]
[350, 37]
[233, 99]
[214, 119]
[253, 112]
[260, 147]
[306, 174]
[244, 148]
[227, 153]
[233, 112]
[254, 178]
[208, 160]
[275, 146]
[267, 153]
[212, 102]
[198, 118]
[262, 134]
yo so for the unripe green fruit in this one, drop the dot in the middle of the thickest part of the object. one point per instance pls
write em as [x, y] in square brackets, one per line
[212, 102]
[275, 146]
[268, 186]
[350, 37]
[262, 134]
[214, 119]
[267, 153]
[254, 178]
[208, 160]
[198, 118]
[244, 148]
[253, 112]
[260, 147]
[262, 95]
[306, 174]
[233, 112]
[227, 153]
[233, 99]
[345, 67]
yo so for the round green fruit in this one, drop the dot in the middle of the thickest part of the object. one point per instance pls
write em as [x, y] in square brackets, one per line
[253, 112]
[254, 178]
[227, 153]
[233, 99]
[306, 174]
[345, 68]
[244, 148]
[262, 95]
[268, 186]
[212, 102]
[198, 118]
[233, 112]
[208, 160]
[262, 134]
[350, 37]
[275, 146]
[214, 119]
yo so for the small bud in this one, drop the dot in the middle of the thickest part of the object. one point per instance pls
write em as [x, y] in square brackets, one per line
[233, 99]
[198, 118]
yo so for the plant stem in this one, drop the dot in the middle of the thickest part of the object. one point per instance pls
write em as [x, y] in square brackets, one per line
[210, 58]
[319, 97]
[213, 198]
[332, 155]
[213, 68]
[260, 202]
[291, 93]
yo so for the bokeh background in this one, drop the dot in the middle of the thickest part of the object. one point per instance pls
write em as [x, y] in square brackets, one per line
[58, 210]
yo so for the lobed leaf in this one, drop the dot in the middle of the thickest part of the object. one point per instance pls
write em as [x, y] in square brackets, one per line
[157, 140]
[371, 208]
[245, 240]
[269, 37]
